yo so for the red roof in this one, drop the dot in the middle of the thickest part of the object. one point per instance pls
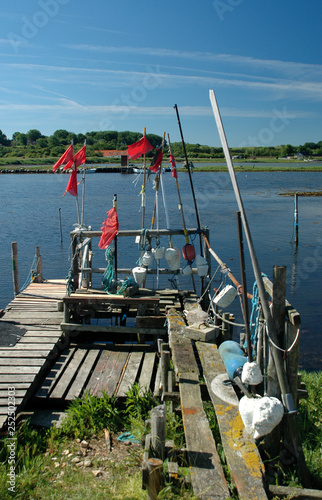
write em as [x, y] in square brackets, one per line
[113, 152]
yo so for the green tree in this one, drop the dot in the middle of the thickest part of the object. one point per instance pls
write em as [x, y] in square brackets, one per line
[33, 135]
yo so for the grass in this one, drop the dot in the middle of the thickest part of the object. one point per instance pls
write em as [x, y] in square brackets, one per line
[44, 470]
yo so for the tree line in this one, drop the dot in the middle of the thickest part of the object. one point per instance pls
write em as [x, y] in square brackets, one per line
[34, 144]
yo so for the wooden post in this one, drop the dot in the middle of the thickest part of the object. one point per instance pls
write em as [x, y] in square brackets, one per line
[279, 312]
[38, 278]
[154, 467]
[292, 359]
[15, 275]
[165, 367]
[226, 330]
[60, 227]
[74, 262]
[158, 430]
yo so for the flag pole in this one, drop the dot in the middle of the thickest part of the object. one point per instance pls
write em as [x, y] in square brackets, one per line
[144, 183]
[83, 193]
[77, 204]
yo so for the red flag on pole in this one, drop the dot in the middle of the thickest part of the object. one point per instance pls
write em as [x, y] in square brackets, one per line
[139, 148]
[65, 158]
[72, 183]
[173, 166]
[109, 229]
[157, 160]
[79, 159]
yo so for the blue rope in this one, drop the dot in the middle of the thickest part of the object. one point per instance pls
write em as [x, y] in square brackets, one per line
[254, 318]
[32, 273]
[109, 275]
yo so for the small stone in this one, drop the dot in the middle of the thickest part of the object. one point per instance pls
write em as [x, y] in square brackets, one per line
[66, 452]
[127, 443]
[84, 444]
[70, 455]
[75, 460]
[79, 464]
[56, 464]
[54, 458]
[87, 462]
[97, 473]
[78, 440]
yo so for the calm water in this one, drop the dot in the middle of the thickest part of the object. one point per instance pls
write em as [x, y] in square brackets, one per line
[30, 207]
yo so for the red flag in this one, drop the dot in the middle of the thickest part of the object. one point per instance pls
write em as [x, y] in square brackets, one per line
[173, 166]
[72, 183]
[79, 159]
[65, 158]
[139, 148]
[109, 229]
[157, 161]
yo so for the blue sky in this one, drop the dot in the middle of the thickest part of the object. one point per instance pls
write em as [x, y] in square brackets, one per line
[122, 65]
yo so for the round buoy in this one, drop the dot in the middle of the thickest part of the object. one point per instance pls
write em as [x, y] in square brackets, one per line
[188, 252]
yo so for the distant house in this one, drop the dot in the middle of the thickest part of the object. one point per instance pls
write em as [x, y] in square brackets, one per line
[299, 156]
[107, 153]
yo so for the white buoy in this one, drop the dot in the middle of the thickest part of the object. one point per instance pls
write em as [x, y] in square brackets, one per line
[158, 252]
[251, 374]
[173, 256]
[139, 274]
[202, 266]
[226, 296]
[260, 415]
[186, 271]
[147, 258]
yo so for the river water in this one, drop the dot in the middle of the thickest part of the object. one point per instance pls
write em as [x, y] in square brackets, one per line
[30, 215]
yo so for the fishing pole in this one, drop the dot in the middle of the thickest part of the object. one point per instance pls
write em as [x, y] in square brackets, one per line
[190, 178]
[185, 230]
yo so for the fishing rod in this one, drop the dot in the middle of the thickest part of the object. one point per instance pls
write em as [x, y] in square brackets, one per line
[185, 230]
[83, 193]
[190, 178]
[143, 193]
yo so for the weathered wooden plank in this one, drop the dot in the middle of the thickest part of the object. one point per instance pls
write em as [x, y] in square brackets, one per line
[19, 353]
[294, 493]
[40, 334]
[39, 339]
[130, 373]
[14, 378]
[107, 373]
[207, 475]
[55, 373]
[74, 327]
[82, 375]
[21, 361]
[34, 347]
[182, 353]
[68, 375]
[23, 315]
[147, 371]
[6, 370]
[97, 376]
[4, 402]
[17, 386]
[108, 299]
[244, 462]
[18, 393]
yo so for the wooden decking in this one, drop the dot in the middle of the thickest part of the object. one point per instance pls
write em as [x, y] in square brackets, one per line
[35, 313]
[60, 356]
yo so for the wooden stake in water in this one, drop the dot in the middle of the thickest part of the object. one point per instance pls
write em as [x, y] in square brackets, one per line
[60, 227]
[15, 276]
[296, 221]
